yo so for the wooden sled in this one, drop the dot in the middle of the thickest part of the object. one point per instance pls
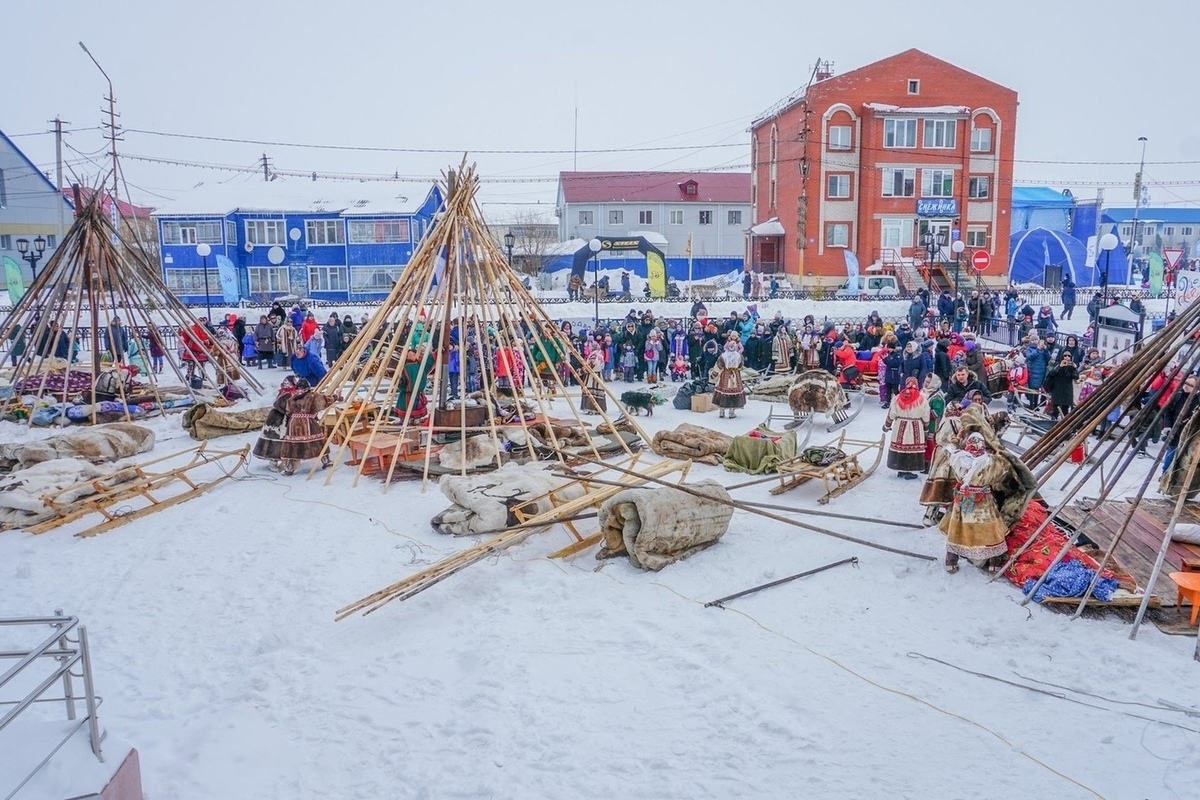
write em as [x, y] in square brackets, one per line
[150, 486]
[838, 477]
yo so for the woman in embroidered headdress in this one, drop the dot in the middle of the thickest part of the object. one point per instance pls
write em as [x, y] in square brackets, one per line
[973, 526]
[937, 408]
[730, 391]
[909, 413]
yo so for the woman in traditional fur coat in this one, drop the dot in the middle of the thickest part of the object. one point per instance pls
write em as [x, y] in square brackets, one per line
[730, 391]
[781, 350]
[937, 409]
[305, 437]
[909, 413]
[974, 527]
[274, 429]
[593, 399]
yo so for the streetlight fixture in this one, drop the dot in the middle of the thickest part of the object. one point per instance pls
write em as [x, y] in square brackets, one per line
[509, 241]
[957, 248]
[203, 250]
[1108, 243]
[932, 243]
[32, 256]
[594, 245]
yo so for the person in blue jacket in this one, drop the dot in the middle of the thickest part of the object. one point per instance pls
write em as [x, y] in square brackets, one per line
[1036, 360]
[307, 365]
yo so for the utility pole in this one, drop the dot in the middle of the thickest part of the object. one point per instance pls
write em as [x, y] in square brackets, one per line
[1137, 205]
[113, 138]
[58, 174]
[266, 169]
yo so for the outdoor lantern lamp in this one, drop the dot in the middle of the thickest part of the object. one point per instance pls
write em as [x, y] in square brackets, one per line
[203, 250]
[509, 241]
[957, 248]
[933, 243]
[32, 256]
[1108, 243]
[594, 246]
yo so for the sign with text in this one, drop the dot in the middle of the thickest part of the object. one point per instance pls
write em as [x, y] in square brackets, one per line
[1187, 286]
[937, 207]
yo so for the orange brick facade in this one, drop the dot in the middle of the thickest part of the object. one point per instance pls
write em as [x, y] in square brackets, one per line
[845, 165]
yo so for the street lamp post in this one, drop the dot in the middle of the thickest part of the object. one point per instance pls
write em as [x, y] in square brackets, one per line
[933, 244]
[32, 256]
[594, 246]
[957, 248]
[203, 251]
[509, 241]
[1108, 243]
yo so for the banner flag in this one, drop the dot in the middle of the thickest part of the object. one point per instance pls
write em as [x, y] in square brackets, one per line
[1156, 274]
[227, 273]
[15, 281]
[851, 269]
[656, 274]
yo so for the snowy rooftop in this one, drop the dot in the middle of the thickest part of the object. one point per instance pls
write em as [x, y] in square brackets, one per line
[296, 195]
[890, 109]
[772, 227]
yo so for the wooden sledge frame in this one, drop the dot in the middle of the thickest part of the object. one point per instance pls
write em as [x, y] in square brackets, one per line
[145, 483]
[838, 477]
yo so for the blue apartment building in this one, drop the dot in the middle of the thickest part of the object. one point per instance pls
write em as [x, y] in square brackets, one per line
[324, 240]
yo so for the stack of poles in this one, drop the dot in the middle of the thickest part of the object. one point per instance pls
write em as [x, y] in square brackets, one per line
[89, 273]
[1159, 356]
[457, 276]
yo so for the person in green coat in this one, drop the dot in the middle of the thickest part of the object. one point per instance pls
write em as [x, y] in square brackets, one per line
[17, 347]
[937, 408]
[411, 381]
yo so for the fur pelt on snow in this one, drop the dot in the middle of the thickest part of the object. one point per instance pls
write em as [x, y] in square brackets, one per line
[816, 391]
[692, 441]
[22, 492]
[473, 452]
[203, 421]
[774, 389]
[484, 502]
[97, 445]
[657, 527]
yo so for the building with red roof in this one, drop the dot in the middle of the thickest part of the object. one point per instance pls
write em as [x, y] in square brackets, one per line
[872, 162]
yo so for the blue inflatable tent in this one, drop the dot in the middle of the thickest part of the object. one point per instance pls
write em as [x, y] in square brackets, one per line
[1044, 256]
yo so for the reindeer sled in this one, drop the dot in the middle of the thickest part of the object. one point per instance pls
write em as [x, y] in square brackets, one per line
[816, 391]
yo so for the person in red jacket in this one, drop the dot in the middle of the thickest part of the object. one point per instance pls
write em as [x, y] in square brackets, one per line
[308, 327]
[1018, 382]
[845, 361]
[197, 344]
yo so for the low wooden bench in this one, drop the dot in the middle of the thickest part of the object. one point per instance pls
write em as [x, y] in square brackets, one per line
[376, 451]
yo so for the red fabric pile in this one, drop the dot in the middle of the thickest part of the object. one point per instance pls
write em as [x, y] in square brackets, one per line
[1036, 559]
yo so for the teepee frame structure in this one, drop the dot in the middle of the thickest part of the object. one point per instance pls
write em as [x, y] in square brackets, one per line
[94, 278]
[1174, 353]
[457, 280]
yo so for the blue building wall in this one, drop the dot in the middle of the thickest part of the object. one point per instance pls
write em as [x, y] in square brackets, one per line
[298, 254]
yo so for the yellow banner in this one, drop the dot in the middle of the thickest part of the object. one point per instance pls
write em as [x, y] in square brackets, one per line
[656, 274]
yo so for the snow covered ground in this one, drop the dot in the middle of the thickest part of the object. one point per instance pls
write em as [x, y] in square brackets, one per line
[217, 654]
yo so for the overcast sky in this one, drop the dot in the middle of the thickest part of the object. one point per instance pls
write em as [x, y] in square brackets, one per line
[482, 75]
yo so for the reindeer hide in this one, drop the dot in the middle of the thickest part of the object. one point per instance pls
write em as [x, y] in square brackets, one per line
[484, 502]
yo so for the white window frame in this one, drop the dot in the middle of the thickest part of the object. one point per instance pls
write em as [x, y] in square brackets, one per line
[978, 135]
[1186, 230]
[937, 182]
[893, 127]
[191, 281]
[706, 216]
[586, 217]
[833, 240]
[979, 187]
[230, 232]
[266, 232]
[176, 232]
[675, 216]
[1126, 230]
[616, 216]
[977, 236]
[51, 241]
[266, 280]
[380, 231]
[940, 134]
[836, 139]
[381, 278]
[646, 216]
[908, 176]
[318, 232]
[913, 85]
[327, 279]
[5, 241]
[904, 227]
[1168, 230]
[734, 216]
[840, 191]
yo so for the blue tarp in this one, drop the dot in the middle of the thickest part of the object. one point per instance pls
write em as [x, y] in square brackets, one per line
[1031, 251]
[1040, 207]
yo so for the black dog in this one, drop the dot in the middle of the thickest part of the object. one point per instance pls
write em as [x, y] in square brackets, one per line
[638, 401]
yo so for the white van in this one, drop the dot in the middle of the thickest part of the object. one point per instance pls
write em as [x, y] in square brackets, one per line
[871, 286]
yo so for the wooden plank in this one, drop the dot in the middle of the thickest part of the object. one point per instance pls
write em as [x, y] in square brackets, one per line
[1137, 549]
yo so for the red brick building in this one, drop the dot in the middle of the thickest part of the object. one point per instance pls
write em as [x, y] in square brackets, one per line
[872, 160]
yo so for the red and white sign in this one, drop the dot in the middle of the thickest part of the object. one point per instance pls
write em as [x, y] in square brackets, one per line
[1172, 255]
[980, 260]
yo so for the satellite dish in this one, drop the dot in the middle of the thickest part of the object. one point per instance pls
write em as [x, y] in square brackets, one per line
[248, 247]
[294, 234]
[275, 255]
